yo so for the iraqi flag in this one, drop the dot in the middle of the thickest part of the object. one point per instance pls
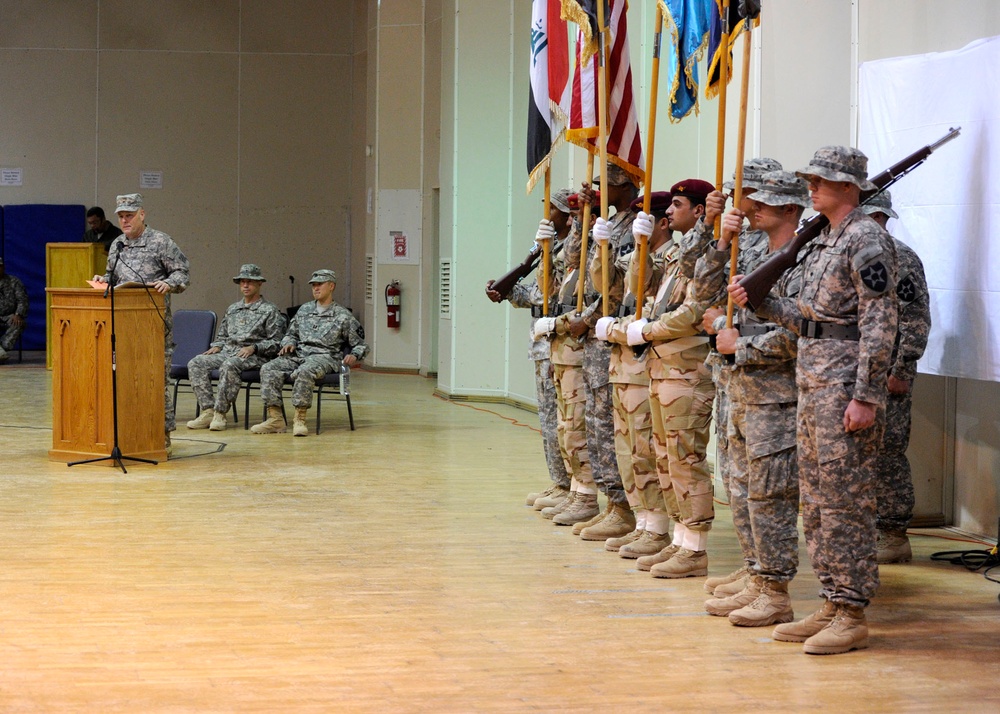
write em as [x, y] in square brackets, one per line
[549, 85]
[624, 142]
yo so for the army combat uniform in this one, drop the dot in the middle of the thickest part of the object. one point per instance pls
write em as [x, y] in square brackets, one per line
[13, 301]
[151, 257]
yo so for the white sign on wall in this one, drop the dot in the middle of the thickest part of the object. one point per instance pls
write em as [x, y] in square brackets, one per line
[11, 177]
[150, 179]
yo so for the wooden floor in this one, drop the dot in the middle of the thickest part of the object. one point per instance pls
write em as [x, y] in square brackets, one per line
[396, 569]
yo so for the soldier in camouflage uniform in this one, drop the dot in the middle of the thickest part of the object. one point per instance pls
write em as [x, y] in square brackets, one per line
[712, 293]
[654, 506]
[681, 388]
[13, 310]
[617, 518]
[894, 484]
[144, 255]
[760, 382]
[529, 295]
[249, 336]
[845, 316]
[321, 337]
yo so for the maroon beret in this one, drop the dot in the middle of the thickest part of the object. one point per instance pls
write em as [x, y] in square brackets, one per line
[695, 189]
[659, 201]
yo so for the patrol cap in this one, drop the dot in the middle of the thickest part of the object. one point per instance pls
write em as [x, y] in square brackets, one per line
[839, 163]
[617, 176]
[129, 202]
[560, 199]
[753, 172]
[323, 276]
[881, 202]
[659, 201]
[694, 189]
[781, 188]
[250, 271]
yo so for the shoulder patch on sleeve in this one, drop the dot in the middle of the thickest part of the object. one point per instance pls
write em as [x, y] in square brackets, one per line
[875, 276]
[906, 290]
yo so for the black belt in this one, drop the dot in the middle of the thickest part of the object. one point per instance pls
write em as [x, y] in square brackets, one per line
[536, 311]
[829, 331]
[756, 329]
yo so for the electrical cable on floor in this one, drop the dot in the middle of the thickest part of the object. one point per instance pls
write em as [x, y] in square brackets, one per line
[973, 560]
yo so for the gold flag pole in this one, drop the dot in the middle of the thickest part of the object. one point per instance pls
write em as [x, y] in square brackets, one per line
[546, 244]
[654, 82]
[720, 143]
[602, 139]
[584, 242]
[740, 152]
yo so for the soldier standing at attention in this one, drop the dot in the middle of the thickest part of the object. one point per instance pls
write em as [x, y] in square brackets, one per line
[845, 316]
[144, 255]
[249, 336]
[894, 483]
[681, 390]
[529, 295]
[763, 474]
[322, 336]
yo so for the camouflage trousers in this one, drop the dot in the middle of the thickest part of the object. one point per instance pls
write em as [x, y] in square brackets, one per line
[229, 365]
[169, 419]
[304, 372]
[894, 483]
[572, 404]
[682, 411]
[764, 482]
[724, 468]
[10, 332]
[634, 447]
[837, 483]
[600, 421]
[548, 419]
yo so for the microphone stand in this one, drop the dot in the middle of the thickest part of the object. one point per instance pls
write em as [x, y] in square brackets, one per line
[116, 453]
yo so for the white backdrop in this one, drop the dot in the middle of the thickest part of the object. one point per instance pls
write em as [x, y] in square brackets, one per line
[949, 208]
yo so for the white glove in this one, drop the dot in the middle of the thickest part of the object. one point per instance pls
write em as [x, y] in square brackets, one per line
[635, 336]
[601, 328]
[602, 231]
[642, 225]
[546, 231]
[543, 327]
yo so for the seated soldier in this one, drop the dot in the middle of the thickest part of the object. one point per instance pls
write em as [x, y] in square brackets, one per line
[250, 335]
[321, 336]
[13, 310]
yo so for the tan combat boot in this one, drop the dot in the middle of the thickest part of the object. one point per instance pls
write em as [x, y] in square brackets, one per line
[685, 564]
[737, 575]
[722, 606]
[582, 509]
[807, 627]
[551, 512]
[614, 544]
[650, 544]
[218, 422]
[166, 445]
[547, 500]
[299, 427]
[532, 497]
[646, 562]
[578, 527]
[618, 522]
[203, 420]
[848, 631]
[771, 606]
[274, 424]
[893, 547]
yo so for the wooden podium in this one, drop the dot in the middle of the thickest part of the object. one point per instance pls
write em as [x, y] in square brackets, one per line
[82, 410]
[69, 265]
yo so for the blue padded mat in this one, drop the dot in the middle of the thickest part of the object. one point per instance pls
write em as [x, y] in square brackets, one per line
[26, 230]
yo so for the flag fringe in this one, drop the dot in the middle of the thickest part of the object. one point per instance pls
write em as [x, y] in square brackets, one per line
[572, 12]
[543, 165]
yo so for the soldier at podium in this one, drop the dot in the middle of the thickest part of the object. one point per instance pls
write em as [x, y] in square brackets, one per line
[144, 255]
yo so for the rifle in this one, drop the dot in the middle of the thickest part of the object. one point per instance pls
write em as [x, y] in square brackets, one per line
[505, 283]
[759, 282]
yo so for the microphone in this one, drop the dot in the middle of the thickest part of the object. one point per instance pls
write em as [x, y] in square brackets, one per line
[114, 268]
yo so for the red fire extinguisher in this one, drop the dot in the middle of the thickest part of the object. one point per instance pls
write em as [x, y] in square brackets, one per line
[393, 296]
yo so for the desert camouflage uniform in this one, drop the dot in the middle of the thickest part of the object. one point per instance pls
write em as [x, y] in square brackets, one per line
[630, 400]
[260, 325]
[597, 356]
[13, 301]
[761, 392]
[530, 296]
[150, 257]
[322, 338]
[894, 485]
[681, 390]
[848, 276]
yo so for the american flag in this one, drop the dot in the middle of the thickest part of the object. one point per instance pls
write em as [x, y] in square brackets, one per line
[624, 142]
